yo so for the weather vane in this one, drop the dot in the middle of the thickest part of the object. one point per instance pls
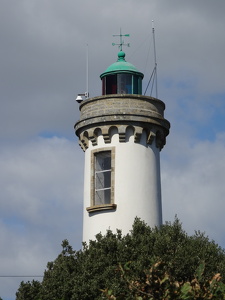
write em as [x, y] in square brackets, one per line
[121, 44]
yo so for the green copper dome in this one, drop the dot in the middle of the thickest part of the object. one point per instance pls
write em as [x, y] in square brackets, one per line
[121, 66]
[121, 78]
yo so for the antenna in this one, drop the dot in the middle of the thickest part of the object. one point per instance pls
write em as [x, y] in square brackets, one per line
[80, 97]
[87, 65]
[153, 34]
[153, 76]
[121, 44]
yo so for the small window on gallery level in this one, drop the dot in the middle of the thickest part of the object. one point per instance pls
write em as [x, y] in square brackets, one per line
[102, 178]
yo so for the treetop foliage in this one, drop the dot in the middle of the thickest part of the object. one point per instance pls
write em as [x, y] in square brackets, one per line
[148, 263]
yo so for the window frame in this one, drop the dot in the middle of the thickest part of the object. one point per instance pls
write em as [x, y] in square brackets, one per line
[105, 206]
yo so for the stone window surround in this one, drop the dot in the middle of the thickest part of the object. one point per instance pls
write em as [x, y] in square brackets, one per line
[112, 205]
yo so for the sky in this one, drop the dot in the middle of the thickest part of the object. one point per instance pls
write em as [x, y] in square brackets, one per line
[43, 68]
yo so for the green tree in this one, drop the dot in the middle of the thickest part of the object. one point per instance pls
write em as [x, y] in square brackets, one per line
[29, 290]
[160, 263]
[59, 276]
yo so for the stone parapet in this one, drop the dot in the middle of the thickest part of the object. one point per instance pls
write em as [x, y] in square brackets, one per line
[142, 113]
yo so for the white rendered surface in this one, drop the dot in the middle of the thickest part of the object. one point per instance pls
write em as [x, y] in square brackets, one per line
[137, 187]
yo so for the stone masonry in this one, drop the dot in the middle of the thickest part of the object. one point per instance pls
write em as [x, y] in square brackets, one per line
[142, 113]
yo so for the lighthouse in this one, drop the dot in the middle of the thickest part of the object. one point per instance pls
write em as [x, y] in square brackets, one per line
[121, 133]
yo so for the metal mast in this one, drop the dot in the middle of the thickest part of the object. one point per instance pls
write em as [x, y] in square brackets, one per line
[87, 70]
[153, 33]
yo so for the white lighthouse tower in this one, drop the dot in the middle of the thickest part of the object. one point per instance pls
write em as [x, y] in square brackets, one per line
[121, 133]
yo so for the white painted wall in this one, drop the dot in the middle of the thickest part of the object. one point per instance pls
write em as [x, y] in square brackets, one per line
[137, 187]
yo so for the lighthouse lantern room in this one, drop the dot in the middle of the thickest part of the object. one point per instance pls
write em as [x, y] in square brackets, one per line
[121, 78]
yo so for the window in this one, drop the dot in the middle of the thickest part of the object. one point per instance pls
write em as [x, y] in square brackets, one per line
[111, 84]
[124, 84]
[102, 179]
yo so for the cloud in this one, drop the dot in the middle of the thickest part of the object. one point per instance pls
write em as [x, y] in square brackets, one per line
[41, 203]
[193, 185]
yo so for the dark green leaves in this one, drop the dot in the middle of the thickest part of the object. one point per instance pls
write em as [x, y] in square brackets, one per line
[160, 263]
